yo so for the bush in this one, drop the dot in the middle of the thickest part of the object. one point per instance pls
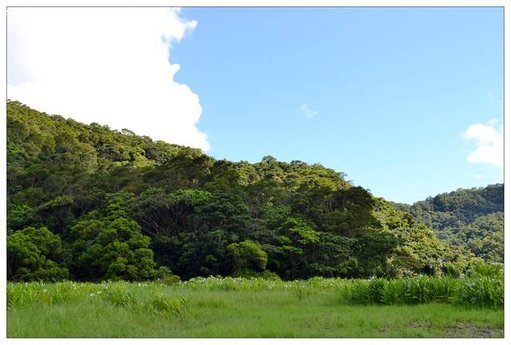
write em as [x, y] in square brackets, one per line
[444, 290]
[482, 292]
[32, 254]
[375, 291]
[423, 289]
[419, 289]
[394, 292]
[483, 269]
[356, 292]
[165, 276]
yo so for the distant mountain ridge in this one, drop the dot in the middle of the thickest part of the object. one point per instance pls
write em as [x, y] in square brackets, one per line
[473, 218]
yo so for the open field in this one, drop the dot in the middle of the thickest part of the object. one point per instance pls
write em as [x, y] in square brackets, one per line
[228, 307]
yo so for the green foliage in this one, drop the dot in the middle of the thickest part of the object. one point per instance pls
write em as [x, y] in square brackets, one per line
[18, 217]
[482, 269]
[201, 309]
[33, 254]
[248, 255]
[445, 289]
[470, 218]
[483, 291]
[119, 296]
[394, 292]
[123, 204]
[165, 276]
[166, 306]
[111, 246]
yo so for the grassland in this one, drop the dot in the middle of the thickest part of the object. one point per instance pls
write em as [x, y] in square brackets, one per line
[228, 307]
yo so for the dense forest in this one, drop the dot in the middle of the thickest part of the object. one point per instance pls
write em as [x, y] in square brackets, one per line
[89, 203]
[472, 218]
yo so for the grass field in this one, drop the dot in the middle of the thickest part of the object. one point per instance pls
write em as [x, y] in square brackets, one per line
[228, 307]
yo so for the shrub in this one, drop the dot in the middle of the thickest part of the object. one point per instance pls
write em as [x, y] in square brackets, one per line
[356, 292]
[483, 269]
[419, 289]
[482, 292]
[165, 276]
[375, 290]
[32, 254]
[247, 256]
[394, 292]
[445, 289]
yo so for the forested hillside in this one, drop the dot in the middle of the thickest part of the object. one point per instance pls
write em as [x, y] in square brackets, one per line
[89, 203]
[472, 218]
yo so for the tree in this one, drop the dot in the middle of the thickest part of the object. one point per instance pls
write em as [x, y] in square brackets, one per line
[116, 199]
[247, 256]
[34, 254]
[296, 238]
[110, 245]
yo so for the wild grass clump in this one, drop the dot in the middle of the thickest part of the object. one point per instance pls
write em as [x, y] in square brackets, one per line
[302, 291]
[22, 294]
[167, 306]
[481, 291]
[419, 290]
[445, 289]
[118, 295]
[483, 269]
[356, 292]
[481, 287]
[484, 286]
[394, 292]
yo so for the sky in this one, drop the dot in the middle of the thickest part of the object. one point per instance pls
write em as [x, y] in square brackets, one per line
[407, 102]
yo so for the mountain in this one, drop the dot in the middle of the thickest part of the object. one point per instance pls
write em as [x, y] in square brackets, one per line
[472, 218]
[89, 203]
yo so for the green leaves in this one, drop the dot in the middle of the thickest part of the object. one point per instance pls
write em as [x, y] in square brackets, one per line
[111, 246]
[482, 291]
[32, 254]
[123, 204]
[470, 218]
[247, 255]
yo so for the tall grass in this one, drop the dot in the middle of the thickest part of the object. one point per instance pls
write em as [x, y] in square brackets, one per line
[256, 307]
[477, 291]
[480, 289]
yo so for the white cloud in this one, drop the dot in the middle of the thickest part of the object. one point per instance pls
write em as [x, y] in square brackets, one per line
[307, 112]
[489, 143]
[104, 65]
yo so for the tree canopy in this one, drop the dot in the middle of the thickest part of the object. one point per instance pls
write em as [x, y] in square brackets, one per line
[469, 218]
[115, 205]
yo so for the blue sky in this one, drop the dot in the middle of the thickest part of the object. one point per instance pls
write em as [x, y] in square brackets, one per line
[384, 95]
[408, 102]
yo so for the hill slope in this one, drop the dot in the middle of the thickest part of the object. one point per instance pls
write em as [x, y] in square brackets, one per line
[89, 203]
[473, 218]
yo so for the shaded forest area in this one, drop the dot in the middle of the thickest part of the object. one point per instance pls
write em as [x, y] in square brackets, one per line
[88, 203]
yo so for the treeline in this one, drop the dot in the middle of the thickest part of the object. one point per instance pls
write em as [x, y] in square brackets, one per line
[470, 218]
[89, 203]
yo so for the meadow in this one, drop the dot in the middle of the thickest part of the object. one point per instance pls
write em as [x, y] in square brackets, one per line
[240, 307]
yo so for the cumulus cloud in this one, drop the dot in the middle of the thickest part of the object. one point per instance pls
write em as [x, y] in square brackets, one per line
[307, 111]
[489, 143]
[104, 65]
